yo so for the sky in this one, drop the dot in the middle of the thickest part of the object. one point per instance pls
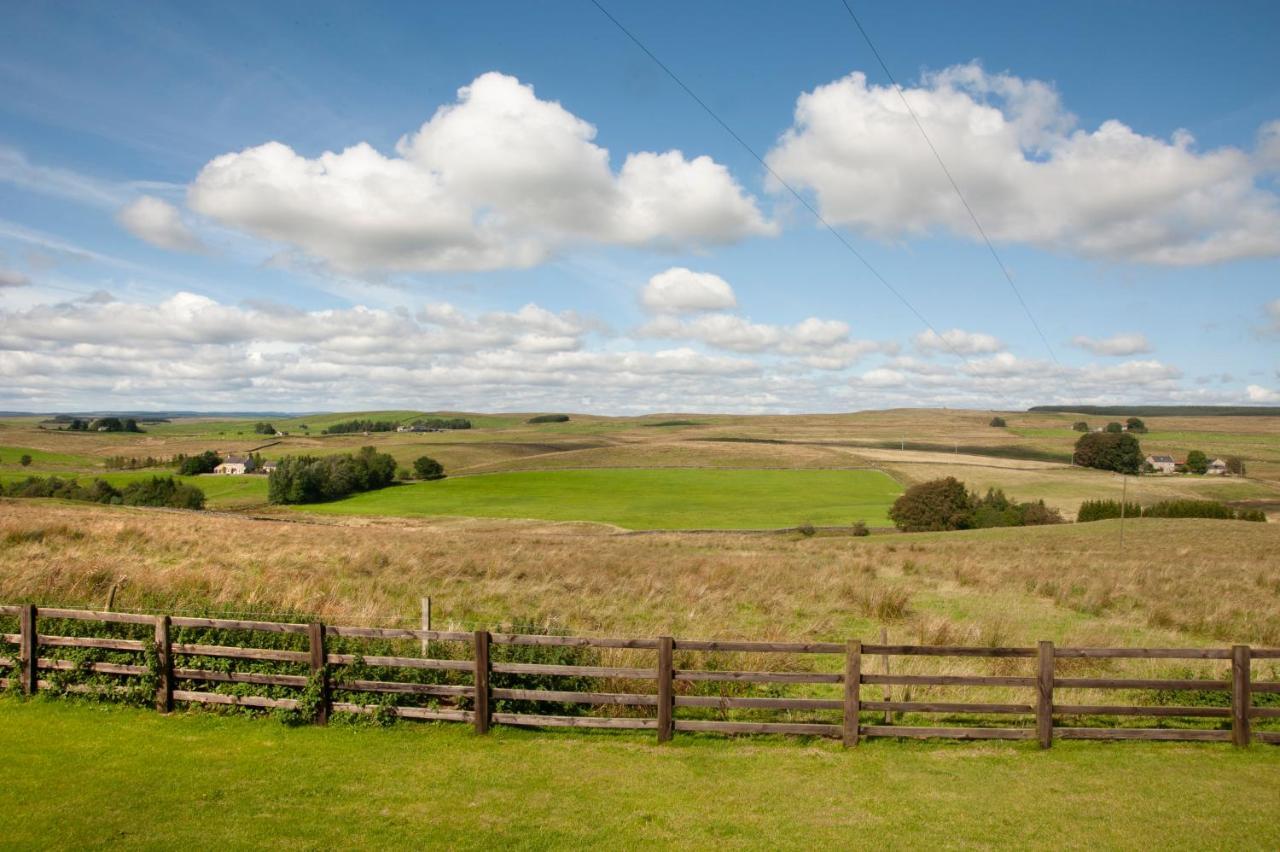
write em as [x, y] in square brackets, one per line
[511, 207]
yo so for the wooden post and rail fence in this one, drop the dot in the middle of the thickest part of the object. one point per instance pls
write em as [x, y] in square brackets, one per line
[1040, 713]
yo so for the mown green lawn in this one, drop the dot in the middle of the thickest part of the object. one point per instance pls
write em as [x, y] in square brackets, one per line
[645, 498]
[84, 776]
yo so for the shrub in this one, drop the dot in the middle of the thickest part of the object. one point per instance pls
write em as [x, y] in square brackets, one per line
[998, 421]
[549, 418]
[1135, 424]
[1109, 451]
[1080, 426]
[311, 479]
[860, 528]
[203, 463]
[1114, 427]
[25, 461]
[162, 491]
[1103, 510]
[1038, 514]
[940, 504]
[806, 530]
[425, 467]
[1256, 515]
[1197, 462]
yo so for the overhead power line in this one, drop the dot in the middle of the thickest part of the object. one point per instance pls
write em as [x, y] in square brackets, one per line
[800, 198]
[950, 179]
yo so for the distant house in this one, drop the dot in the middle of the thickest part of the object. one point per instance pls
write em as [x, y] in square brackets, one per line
[267, 467]
[234, 465]
[1162, 463]
[1217, 467]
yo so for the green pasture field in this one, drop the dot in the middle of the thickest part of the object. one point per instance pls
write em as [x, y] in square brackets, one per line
[646, 499]
[10, 457]
[128, 778]
[222, 492]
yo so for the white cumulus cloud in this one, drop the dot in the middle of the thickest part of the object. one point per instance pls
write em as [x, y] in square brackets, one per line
[1257, 393]
[497, 179]
[1116, 345]
[1030, 173]
[679, 290]
[957, 341]
[158, 222]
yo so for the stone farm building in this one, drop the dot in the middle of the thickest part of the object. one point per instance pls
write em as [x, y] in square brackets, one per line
[1162, 463]
[234, 465]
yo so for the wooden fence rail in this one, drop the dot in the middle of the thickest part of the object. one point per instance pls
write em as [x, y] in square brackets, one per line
[318, 670]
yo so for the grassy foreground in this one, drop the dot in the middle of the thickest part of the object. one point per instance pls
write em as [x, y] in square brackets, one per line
[94, 776]
[644, 499]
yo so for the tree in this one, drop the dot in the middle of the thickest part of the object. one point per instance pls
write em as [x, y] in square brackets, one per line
[25, 461]
[1114, 427]
[1134, 424]
[1197, 461]
[262, 428]
[1080, 426]
[1109, 450]
[1235, 465]
[425, 467]
[998, 421]
[940, 504]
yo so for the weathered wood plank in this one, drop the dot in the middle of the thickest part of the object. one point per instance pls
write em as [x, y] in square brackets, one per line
[11, 638]
[1146, 653]
[530, 720]
[1139, 710]
[759, 677]
[948, 733]
[1265, 686]
[948, 707]
[1264, 713]
[573, 641]
[575, 671]
[239, 677]
[92, 642]
[1265, 653]
[1272, 737]
[726, 702]
[945, 651]
[97, 668]
[759, 647]
[238, 700]
[949, 680]
[319, 670]
[483, 668]
[85, 688]
[238, 624]
[235, 652]
[91, 615]
[810, 729]
[10, 609]
[1139, 683]
[1044, 694]
[602, 698]
[666, 689]
[430, 714]
[403, 662]
[164, 661]
[403, 688]
[852, 692]
[28, 650]
[1241, 698]
[1142, 734]
[399, 633]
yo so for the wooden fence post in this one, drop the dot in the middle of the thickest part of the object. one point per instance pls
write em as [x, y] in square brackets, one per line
[482, 682]
[29, 650]
[666, 691]
[852, 687]
[1241, 694]
[164, 659]
[425, 621]
[1044, 695]
[320, 669]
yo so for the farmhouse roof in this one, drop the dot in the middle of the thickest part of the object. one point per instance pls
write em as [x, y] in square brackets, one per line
[236, 460]
[1161, 459]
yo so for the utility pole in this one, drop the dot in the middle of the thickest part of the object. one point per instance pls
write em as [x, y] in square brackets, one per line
[1124, 496]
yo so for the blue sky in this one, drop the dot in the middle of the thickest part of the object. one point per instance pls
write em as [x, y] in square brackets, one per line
[307, 207]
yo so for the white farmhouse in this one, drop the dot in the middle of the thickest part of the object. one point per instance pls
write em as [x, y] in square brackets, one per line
[234, 465]
[1162, 463]
[1217, 467]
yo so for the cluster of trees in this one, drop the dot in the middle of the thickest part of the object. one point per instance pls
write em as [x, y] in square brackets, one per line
[263, 428]
[1133, 424]
[945, 504]
[549, 418]
[1101, 510]
[998, 422]
[165, 492]
[315, 479]
[195, 465]
[1118, 451]
[103, 424]
[359, 425]
[134, 463]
